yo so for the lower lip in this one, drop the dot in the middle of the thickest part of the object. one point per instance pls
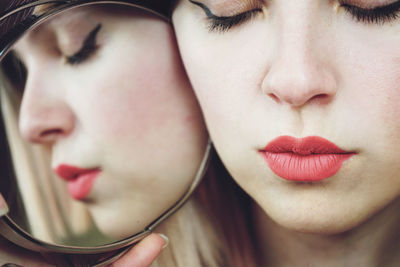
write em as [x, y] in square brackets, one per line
[80, 187]
[305, 168]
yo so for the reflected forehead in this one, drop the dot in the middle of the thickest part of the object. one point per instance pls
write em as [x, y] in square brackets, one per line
[76, 20]
[70, 18]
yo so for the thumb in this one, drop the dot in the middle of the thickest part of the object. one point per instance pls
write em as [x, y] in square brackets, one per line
[143, 253]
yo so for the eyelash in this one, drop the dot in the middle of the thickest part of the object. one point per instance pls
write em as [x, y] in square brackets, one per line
[224, 24]
[378, 15]
[89, 46]
[15, 69]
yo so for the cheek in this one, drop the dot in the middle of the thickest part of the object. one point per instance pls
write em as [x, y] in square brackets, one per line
[225, 76]
[370, 85]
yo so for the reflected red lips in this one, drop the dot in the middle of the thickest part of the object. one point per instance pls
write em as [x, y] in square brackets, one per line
[79, 181]
[306, 159]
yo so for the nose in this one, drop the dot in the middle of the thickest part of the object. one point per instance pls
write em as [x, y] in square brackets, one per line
[300, 73]
[44, 116]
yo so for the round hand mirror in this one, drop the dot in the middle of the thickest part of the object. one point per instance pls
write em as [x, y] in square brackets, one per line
[102, 137]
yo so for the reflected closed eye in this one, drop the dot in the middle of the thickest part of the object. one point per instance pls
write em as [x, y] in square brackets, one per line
[378, 15]
[89, 46]
[225, 23]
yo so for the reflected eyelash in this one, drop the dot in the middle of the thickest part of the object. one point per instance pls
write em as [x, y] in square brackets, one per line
[378, 15]
[89, 46]
[225, 23]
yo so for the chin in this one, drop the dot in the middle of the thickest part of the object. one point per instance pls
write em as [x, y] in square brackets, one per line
[118, 226]
[317, 227]
[318, 219]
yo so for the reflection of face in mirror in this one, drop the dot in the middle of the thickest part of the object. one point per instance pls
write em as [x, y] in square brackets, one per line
[106, 96]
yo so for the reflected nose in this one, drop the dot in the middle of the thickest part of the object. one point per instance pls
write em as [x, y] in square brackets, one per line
[299, 74]
[44, 116]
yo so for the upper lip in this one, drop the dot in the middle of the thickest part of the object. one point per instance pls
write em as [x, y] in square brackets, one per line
[68, 172]
[303, 146]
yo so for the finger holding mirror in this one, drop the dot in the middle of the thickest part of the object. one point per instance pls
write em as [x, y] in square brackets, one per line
[105, 137]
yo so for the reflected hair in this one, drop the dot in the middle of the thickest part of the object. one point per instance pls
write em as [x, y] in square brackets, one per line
[11, 21]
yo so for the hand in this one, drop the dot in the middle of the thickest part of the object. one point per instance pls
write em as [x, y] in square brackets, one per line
[140, 255]
[144, 253]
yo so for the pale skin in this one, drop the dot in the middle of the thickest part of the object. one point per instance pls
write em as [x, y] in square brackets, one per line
[122, 108]
[131, 137]
[304, 68]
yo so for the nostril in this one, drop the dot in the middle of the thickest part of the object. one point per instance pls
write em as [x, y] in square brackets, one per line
[320, 99]
[50, 132]
[45, 120]
[274, 97]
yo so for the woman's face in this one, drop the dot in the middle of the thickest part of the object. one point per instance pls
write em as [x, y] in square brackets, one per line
[107, 94]
[318, 70]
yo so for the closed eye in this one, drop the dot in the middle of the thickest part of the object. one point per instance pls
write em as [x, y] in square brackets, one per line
[225, 23]
[378, 15]
[89, 46]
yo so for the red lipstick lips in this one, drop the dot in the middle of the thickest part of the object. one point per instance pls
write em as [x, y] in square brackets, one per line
[80, 181]
[307, 159]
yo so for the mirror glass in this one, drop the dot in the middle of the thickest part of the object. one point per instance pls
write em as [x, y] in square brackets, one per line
[101, 128]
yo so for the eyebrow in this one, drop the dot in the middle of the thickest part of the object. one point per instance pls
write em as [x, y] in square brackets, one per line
[230, 3]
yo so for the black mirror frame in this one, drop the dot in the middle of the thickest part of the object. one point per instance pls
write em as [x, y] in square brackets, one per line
[8, 228]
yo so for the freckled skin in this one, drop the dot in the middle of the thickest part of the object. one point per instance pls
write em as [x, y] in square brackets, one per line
[124, 110]
[301, 69]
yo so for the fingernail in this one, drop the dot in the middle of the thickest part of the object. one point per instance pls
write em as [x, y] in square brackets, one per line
[3, 206]
[165, 239]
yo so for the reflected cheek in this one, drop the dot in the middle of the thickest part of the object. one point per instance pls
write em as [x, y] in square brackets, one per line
[126, 106]
[130, 121]
[142, 110]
